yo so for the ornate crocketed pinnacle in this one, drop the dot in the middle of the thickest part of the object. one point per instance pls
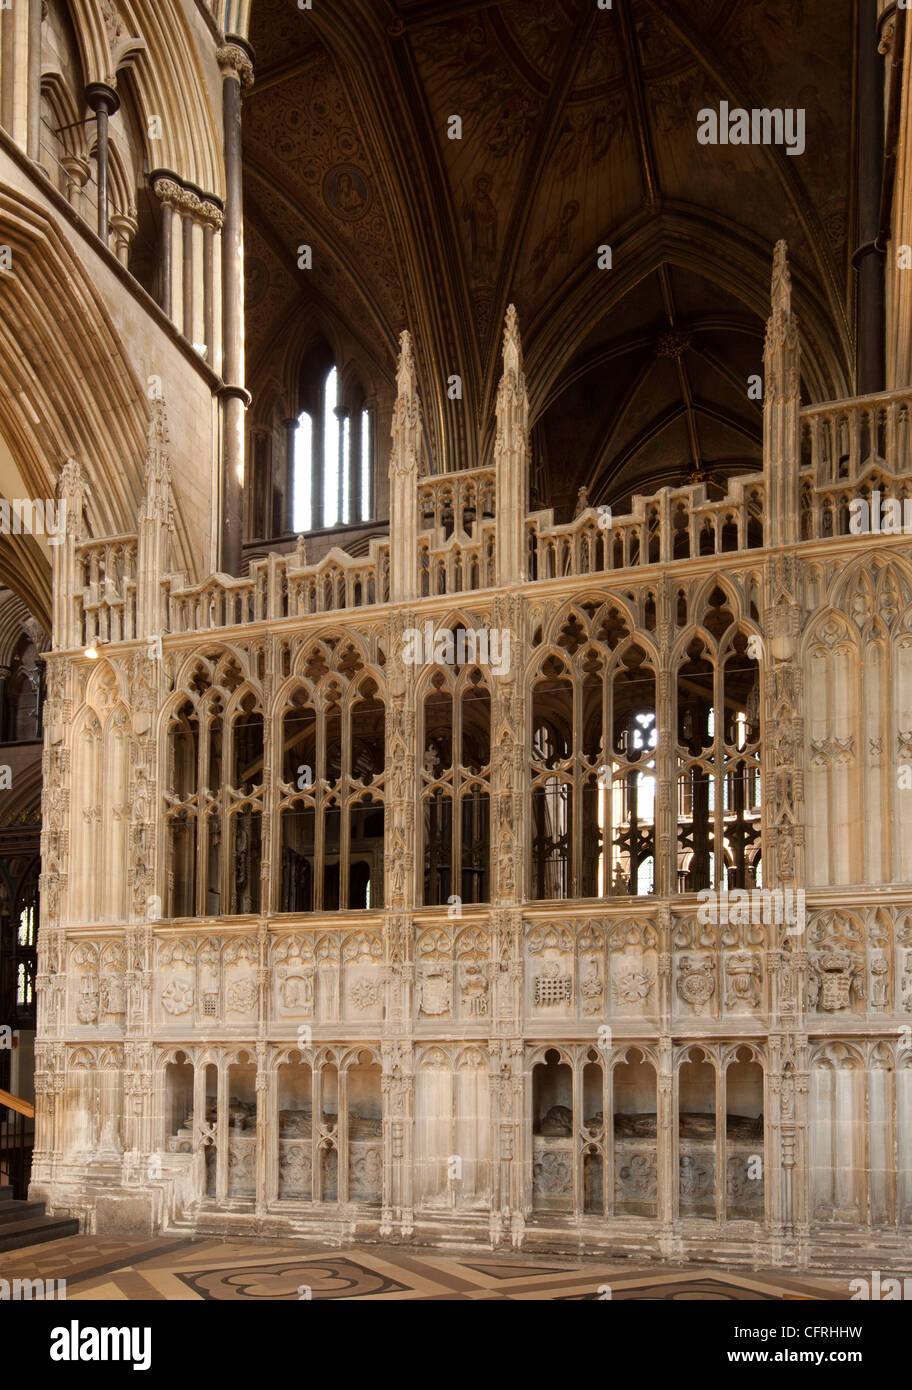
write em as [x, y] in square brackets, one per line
[233, 60]
[406, 421]
[781, 329]
[512, 346]
[71, 488]
[406, 384]
[157, 469]
[781, 288]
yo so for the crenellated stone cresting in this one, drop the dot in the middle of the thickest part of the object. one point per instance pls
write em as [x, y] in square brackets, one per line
[280, 586]
[843, 440]
[471, 531]
[851, 449]
[674, 524]
[107, 584]
[453, 501]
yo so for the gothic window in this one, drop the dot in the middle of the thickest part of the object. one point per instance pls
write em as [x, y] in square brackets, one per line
[594, 738]
[18, 943]
[214, 798]
[552, 788]
[62, 150]
[260, 485]
[331, 806]
[455, 779]
[718, 757]
[333, 458]
[21, 695]
[245, 808]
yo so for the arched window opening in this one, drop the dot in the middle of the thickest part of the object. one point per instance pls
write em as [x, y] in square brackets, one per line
[718, 721]
[18, 945]
[594, 739]
[331, 808]
[333, 455]
[455, 777]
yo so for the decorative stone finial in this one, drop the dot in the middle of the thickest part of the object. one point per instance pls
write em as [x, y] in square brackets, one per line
[512, 346]
[71, 489]
[406, 383]
[781, 288]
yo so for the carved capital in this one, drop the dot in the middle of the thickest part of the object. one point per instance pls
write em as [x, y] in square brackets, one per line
[235, 61]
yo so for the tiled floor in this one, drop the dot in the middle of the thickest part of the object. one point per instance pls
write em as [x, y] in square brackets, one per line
[100, 1267]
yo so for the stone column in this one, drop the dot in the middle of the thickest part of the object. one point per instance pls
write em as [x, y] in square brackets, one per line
[868, 258]
[200, 1127]
[783, 867]
[33, 134]
[263, 1110]
[354, 467]
[223, 1130]
[71, 492]
[154, 527]
[4, 677]
[666, 1136]
[781, 406]
[511, 460]
[104, 101]
[166, 267]
[399, 897]
[398, 1087]
[186, 251]
[343, 416]
[77, 171]
[895, 41]
[190, 225]
[509, 832]
[404, 472]
[511, 1159]
[666, 827]
[237, 74]
[209, 292]
[291, 436]
[123, 225]
[15, 32]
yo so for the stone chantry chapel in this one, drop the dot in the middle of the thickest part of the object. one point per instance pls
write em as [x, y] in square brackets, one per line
[456, 624]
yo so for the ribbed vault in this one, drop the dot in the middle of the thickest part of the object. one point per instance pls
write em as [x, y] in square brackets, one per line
[578, 131]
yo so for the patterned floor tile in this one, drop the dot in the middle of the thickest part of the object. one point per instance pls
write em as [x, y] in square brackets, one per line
[183, 1269]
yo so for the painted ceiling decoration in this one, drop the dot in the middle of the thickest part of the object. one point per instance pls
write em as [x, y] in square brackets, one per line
[579, 130]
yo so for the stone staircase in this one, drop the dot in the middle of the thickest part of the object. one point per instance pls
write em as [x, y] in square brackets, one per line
[27, 1223]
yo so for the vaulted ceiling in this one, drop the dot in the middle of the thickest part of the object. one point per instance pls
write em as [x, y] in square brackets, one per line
[578, 131]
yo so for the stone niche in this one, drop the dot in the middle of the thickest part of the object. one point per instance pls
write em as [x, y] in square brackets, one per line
[730, 1141]
[453, 1160]
[553, 1136]
[635, 1136]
